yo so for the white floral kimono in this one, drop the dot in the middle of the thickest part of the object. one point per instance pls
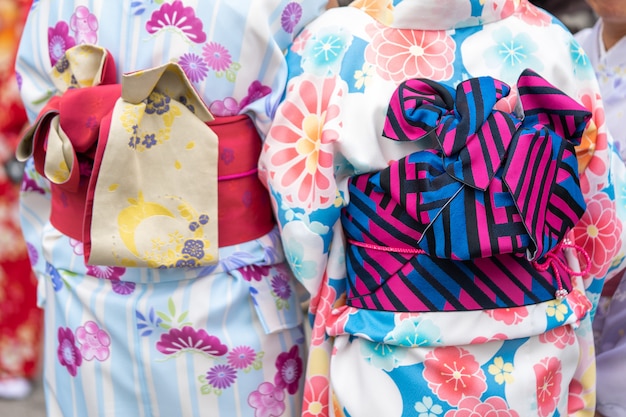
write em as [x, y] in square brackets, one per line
[409, 319]
[222, 339]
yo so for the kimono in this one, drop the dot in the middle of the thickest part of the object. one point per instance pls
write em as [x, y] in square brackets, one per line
[177, 335]
[388, 162]
[20, 319]
[609, 322]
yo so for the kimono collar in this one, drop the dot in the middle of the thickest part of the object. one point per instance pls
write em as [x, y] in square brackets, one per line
[438, 14]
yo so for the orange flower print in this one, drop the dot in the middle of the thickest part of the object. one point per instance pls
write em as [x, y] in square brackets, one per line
[381, 10]
[299, 145]
[592, 152]
[316, 391]
[453, 373]
[400, 54]
[548, 376]
[599, 233]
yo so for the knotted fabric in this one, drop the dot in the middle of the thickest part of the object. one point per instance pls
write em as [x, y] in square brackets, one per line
[459, 227]
[133, 167]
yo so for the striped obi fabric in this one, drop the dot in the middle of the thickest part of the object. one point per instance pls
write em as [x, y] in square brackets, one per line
[479, 222]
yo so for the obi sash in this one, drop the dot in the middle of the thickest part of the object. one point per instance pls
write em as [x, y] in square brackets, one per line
[479, 222]
[69, 142]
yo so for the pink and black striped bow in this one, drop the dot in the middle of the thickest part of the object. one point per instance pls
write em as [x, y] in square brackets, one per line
[516, 176]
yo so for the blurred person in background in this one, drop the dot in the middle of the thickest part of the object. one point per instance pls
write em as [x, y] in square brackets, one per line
[20, 318]
[605, 44]
[575, 14]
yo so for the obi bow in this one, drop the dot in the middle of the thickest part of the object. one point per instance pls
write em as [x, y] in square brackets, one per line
[499, 183]
[116, 156]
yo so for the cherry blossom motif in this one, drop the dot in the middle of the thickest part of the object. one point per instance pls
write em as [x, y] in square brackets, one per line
[189, 339]
[401, 54]
[300, 42]
[94, 342]
[299, 144]
[85, 25]
[316, 392]
[67, 352]
[267, 400]
[599, 233]
[509, 316]
[175, 16]
[548, 375]
[474, 407]
[453, 373]
[289, 370]
[560, 337]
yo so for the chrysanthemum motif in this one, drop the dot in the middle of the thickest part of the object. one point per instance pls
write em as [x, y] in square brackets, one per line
[175, 16]
[190, 340]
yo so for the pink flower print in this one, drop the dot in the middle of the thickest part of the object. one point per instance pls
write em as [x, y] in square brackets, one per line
[255, 272]
[177, 17]
[94, 342]
[530, 14]
[575, 400]
[84, 24]
[256, 91]
[77, 247]
[194, 67]
[300, 42]
[548, 375]
[509, 316]
[321, 307]
[59, 41]
[106, 272]
[453, 373]
[560, 337]
[599, 233]
[241, 357]
[67, 352]
[216, 56]
[226, 107]
[289, 370]
[291, 16]
[316, 397]
[189, 339]
[474, 407]
[400, 54]
[267, 400]
[300, 142]
[221, 376]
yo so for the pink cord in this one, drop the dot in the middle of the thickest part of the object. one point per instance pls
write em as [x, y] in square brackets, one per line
[551, 260]
[238, 175]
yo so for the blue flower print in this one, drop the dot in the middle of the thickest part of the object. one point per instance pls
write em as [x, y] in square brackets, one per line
[324, 52]
[57, 281]
[382, 355]
[149, 141]
[413, 332]
[194, 248]
[295, 255]
[512, 53]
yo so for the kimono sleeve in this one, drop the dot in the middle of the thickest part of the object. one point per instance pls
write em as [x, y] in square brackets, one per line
[298, 164]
